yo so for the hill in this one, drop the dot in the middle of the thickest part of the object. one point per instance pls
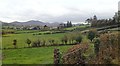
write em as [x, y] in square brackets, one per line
[31, 22]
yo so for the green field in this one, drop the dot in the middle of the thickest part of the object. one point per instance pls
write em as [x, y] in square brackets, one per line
[75, 27]
[42, 55]
[21, 38]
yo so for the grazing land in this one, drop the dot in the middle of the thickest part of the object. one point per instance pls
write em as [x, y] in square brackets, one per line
[42, 55]
[92, 43]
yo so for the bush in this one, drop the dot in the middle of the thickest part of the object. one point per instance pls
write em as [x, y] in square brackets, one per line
[64, 39]
[78, 39]
[51, 41]
[36, 43]
[28, 41]
[96, 45]
[109, 48]
[43, 43]
[40, 34]
[75, 55]
[15, 43]
[91, 34]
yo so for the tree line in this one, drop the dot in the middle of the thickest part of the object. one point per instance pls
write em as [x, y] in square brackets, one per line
[70, 38]
[95, 22]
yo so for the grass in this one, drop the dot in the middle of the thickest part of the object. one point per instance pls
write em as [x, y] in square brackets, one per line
[74, 27]
[42, 55]
[21, 38]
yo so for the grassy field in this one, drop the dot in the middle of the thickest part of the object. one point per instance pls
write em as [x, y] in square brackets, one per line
[74, 27]
[42, 55]
[21, 38]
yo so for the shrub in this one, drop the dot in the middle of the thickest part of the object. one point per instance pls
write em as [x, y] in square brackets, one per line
[14, 43]
[109, 48]
[28, 41]
[43, 43]
[40, 34]
[74, 55]
[78, 39]
[36, 43]
[91, 34]
[96, 45]
[51, 41]
[64, 39]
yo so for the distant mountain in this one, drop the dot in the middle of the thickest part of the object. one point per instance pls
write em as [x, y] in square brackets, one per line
[31, 22]
[5, 24]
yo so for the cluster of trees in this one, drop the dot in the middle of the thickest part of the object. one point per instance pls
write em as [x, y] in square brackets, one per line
[36, 43]
[69, 24]
[39, 43]
[72, 38]
[104, 22]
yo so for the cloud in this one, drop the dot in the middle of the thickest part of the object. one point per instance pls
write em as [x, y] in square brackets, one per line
[55, 10]
[119, 6]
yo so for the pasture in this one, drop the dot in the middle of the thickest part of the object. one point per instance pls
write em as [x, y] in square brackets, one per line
[42, 55]
[21, 39]
[39, 55]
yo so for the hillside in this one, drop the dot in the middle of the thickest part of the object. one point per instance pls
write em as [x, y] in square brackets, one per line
[31, 22]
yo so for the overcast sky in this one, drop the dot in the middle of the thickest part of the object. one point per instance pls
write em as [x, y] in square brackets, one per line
[56, 10]
[119, 5]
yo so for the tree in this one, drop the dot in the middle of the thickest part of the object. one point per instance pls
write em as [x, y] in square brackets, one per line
[69, 24]
[46, 27]
[64, 39]
[78, 39]
[28, 41]
[91, 34]
[14, 43]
